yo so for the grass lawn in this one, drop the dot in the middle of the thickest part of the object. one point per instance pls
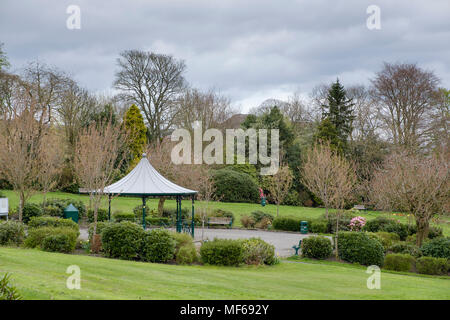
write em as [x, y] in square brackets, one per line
[41, 275]
[126, 204]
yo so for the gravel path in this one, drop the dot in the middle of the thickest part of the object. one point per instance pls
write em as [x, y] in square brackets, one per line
[283, 241]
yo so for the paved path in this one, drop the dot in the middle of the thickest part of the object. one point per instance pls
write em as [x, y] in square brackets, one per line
[283, 241]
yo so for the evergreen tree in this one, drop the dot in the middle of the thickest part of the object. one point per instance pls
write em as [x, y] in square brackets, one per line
[327, 132]
[339, 110]
[134, 124]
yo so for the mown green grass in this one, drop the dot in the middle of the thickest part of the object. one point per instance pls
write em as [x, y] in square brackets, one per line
[42, 275]
[126, 204]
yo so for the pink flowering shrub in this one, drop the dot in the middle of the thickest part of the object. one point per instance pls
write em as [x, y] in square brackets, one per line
[357, 223]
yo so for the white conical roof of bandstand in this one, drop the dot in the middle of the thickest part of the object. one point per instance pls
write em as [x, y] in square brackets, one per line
[145, 180]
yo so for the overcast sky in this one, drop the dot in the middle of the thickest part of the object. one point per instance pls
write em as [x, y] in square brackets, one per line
[248, 50]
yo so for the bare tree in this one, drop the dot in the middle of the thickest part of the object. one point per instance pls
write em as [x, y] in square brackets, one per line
[209, 107]
[331, 178]
[97, 158]
[153, 82]
[413, 184]
[279, 185]
[19, 151]
[51, 159]
[323, 173]
[405, 93]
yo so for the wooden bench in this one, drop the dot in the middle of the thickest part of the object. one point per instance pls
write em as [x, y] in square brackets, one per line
[359, 207]
[220, 221]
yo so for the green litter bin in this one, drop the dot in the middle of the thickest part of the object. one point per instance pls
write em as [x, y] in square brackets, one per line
[304, 227]
[71, 213]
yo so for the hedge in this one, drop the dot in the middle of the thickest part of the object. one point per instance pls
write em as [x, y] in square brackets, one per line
[102, 215]
[437, 247]
[46, 221]
[122, 216]
[399, 262]
[287, 224]
[61, 239]
[224, 252]
[430, 265]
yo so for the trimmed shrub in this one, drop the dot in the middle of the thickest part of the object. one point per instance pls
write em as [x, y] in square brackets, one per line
[248, 222]
[45, 221]
[260, 215]
[31, 210]
[122, 216]
[186, 255]
[430, 265]
[181, 239]
[405, 248]
[318, 226]
[360, 247]
[12, 233]
[158, 246]
[257, 251]
[318, 247]
[100, 227]
[224, 252]
[287, 224]
[102, 215]
[233, 186]
[37, 236]
[437, 247]
[399, 262]
[172, 213]
[122, 240]
[61, 242]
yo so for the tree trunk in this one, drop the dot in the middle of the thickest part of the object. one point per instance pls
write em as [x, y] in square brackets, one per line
[422, 231]
[161, 206]
[21, 204]
[326, 212]
[278, 208]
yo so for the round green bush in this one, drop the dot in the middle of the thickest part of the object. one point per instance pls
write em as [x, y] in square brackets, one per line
[224, 252]
[435, 232]
[36, 236]
[122, 240]
[292, 199]
[360, 247]
[437, 247]
[187, 254]
[45, 221]
[12, 233]
[158, 246]
[287, 224]
[318, 247]
[388, 225]
[318, 226]
[257, 252]
[233, 186]
[53, 211]
[431, 265]
[102, 215]
[386, 238]
[398, 262]
[31, 210]
[259, 215]
[61, 242]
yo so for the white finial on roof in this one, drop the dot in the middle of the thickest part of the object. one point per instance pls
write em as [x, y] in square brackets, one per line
[144, 155]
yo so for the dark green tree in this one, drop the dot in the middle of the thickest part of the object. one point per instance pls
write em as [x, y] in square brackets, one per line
[339, 110]
[4, 63]
[326, 131]
[137, 131]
